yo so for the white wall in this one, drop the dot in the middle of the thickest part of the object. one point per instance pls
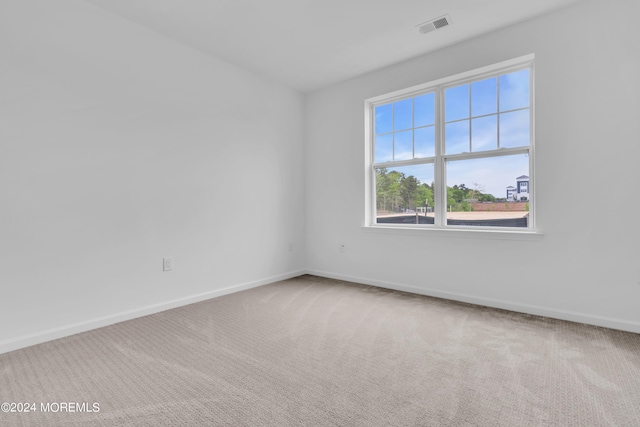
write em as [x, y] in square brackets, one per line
[118, 147]
[586, 267]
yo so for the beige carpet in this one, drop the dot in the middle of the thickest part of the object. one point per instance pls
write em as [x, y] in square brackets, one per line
[317, 352]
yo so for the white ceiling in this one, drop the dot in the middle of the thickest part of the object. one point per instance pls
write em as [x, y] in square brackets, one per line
[308, 44]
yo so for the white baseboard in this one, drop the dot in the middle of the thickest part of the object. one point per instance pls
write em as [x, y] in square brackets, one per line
[605, 322]
[52, 334]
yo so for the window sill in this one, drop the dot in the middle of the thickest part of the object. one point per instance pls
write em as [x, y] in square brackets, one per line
[499, 234]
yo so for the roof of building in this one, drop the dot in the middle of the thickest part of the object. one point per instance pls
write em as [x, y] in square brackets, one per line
[523, 177]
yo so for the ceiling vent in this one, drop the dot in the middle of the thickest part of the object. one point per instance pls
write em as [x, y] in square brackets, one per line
[434, 24]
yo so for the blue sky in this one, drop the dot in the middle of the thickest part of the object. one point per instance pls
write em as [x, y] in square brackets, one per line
[405, 130]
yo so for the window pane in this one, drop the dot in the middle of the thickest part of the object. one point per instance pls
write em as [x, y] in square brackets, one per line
[457, 137]
[403, 114]
[384, 148]
[424, 142]
[514, 90]
[424, 110]
[484, 97]
[514, 129]
[404, 195]
[403, 145]
[484, 133]
[492, 192]
[456, 103]
[384, 114]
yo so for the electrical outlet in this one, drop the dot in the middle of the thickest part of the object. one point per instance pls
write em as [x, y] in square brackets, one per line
[167, 264]
[341, 248]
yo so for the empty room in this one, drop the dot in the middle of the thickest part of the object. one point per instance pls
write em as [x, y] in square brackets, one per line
[319, 213]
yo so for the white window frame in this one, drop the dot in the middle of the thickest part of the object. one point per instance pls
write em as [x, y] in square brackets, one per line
[440, 197]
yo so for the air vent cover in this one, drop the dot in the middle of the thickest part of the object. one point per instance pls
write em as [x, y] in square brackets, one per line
[434, 24]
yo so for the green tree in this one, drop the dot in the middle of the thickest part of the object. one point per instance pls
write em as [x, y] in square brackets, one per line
[393, 192]
[397, 192]
[382, 185]
[408, 187]
[424, 194]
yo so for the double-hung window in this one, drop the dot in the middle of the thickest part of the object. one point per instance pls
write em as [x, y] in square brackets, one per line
[455, 153]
